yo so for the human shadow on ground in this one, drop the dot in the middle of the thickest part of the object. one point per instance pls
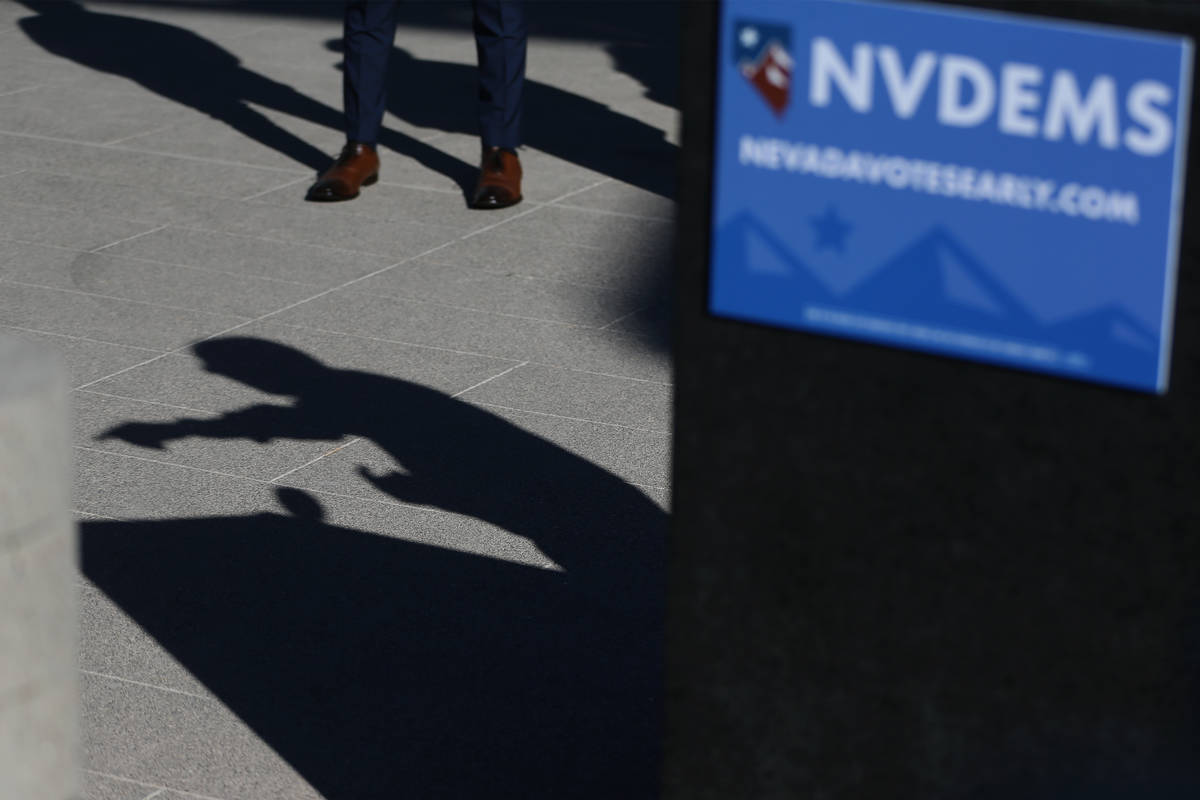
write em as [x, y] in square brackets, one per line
[641, 36]
[181, 66]
[383, 667]
[188, 69]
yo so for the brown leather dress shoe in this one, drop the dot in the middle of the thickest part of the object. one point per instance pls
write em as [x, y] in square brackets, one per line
[357, 166]
[499, 180]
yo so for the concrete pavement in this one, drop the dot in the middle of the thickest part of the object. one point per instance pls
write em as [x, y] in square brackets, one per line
[442, 577]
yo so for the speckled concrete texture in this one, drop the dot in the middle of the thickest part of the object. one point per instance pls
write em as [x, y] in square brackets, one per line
[372, 495]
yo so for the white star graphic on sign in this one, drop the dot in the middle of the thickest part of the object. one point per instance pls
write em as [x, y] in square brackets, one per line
[749, 36]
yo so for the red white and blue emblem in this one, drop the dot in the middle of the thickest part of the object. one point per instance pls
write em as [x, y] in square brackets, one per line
[762, 52]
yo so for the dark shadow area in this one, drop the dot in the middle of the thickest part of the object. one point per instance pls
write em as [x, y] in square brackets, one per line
[188, 69]
[641, 35]
[961, 582]
[384, 668]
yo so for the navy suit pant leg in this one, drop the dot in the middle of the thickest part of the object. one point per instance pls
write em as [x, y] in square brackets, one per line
[500, 45]
[370, 28]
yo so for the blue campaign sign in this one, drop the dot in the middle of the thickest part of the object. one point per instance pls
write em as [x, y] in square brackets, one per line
[994, 187]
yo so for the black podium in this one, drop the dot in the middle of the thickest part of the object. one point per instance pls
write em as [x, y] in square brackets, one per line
[897, 575]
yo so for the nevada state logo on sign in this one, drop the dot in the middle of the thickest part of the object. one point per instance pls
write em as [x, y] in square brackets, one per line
[761, 52]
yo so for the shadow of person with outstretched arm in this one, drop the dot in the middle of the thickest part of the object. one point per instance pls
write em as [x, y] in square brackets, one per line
[181, 66]
[382, 666]
[605, 533]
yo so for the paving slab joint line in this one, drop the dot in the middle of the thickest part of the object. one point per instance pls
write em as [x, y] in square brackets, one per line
[292, 182]
[611, 213]
[157, 129]
[136, 151]
[192, 225]
[261, 481]
[129, 238]
[77, 338]
[211, 271]
[568, 281]
[473, 310]
[608, 325]
[181, 265]
[19, 240]
[438, 190]
[239, 326]
[576, 419]
[400, 342]
[478, 354]
[307, 464]
[529, 211]
[361, 278]
[150, 303]
[629, 250]
[358, 439]
[336, 288]
[49, 169]
[251, 479]
[82, 339]
[488, 380]
[147, 785]
[58, 208]
[115, 454]
[22, 89]
[143, 401]
[80, 513]
[105, 675]
[598, 374]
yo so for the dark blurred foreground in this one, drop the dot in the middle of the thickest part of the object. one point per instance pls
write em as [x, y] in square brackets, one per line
[901, 576]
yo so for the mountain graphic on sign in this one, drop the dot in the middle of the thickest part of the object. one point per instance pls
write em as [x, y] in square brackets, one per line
[744, 240]
[935, 281]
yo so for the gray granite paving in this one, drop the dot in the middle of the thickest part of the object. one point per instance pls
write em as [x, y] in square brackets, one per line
[83, 231]
[212, 284]
[145, 203]
[372, 495]
[102, 787]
